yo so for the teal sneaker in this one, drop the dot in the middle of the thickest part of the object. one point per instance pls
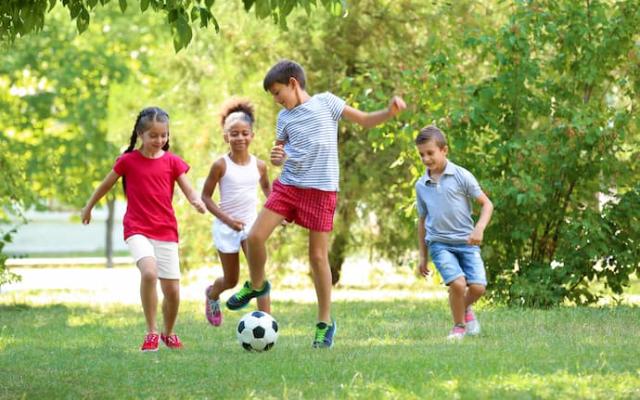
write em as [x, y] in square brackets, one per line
[324, 335]
[242, 298]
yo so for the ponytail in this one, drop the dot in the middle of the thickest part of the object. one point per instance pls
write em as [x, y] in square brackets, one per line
[144, 118]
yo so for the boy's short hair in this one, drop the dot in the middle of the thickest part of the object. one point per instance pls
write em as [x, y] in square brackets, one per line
[281, 72]
[431, 132]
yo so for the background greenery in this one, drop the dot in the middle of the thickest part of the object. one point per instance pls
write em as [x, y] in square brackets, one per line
[538, 98]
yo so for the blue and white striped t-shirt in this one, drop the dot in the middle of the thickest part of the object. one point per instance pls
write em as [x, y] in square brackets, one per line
[310, 133]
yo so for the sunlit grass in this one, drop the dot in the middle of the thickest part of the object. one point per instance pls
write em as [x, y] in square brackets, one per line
[384, 350]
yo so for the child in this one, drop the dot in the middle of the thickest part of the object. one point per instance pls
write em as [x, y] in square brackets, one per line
[238, 174]
[446, 228]
[150, 227]
[306, 191]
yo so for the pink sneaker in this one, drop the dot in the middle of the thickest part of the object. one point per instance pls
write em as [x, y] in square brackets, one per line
[212, 309]
[457, 333]
[471, 322]
[172, 341]
[150, 342]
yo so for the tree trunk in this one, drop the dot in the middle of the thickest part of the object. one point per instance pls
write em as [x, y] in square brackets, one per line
[111, 201]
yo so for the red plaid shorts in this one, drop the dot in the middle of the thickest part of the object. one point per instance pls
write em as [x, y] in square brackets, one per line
[310, 208]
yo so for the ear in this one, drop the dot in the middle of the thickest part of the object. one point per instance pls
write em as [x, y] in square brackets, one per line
[226, 137]
[294, 83]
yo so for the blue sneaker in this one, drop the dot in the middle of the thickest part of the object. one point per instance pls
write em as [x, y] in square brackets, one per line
[324, 335]
[242, 298]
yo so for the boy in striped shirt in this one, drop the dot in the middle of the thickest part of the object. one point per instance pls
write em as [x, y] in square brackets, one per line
[306, 191]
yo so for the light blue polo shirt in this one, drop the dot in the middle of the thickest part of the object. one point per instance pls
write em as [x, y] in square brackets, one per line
[446, 205]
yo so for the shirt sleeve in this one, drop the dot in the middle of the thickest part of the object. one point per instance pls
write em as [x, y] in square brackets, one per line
[280, 131]
[472, 187]
[335, 104]
[179, 166]
[420, 204]
[120, 165]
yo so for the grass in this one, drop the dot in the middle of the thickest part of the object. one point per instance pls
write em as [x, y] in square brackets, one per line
[391, 349]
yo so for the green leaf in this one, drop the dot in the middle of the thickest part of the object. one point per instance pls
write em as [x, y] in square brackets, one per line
[248, 4]
[82, 22]
[123, 5]
[144, 4]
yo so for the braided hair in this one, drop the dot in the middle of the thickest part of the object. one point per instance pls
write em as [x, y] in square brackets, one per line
[144, 120]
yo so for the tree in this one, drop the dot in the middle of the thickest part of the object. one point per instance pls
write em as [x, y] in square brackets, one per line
[22, 17]
[552, 132]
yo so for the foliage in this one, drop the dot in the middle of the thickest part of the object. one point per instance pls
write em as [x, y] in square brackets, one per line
[550, 131]
[387, 349]
[22, 17]
[6, 276]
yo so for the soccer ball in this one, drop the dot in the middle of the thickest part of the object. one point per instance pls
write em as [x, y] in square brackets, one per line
[257, 331]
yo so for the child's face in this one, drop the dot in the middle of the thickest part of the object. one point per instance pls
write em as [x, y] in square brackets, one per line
[285, 95]
[239, 136]
[432, 156]
[154, 138]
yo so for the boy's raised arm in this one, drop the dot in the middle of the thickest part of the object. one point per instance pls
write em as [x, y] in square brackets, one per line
[371, 119]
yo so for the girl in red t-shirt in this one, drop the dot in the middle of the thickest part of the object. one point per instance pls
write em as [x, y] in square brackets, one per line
[150, 228]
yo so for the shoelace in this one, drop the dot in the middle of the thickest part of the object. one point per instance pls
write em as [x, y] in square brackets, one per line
[321, 333]
[242, 293]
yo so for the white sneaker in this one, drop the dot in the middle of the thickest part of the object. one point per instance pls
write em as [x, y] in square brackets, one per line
[471, 322]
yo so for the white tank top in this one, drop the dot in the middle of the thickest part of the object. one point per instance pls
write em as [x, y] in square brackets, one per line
[238, 190]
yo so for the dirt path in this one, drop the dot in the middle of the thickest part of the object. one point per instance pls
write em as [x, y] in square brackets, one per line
[121, 285]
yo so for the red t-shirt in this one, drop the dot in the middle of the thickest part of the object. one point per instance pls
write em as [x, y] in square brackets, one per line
[150, 183]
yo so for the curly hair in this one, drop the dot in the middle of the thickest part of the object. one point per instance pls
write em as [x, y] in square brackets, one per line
[236, 104]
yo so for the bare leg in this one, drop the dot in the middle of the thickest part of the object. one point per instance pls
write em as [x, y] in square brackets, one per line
[171, 303]
[266, 222]
[474, 292]
[321, 273]
[148, 291]
[457, 289]
[229, 279]
[264, 302]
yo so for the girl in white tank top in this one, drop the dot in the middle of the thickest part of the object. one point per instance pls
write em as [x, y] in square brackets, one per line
[238, 174]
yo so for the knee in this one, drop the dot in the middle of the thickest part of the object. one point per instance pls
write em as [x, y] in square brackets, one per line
[171, 292]
[149, 275]
[458, 286]
[254, 239]
[317, 259]
[477, 290]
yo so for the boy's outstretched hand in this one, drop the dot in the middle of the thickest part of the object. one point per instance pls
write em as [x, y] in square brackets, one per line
[396, 105]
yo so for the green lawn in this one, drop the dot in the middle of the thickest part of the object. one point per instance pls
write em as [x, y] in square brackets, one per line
[393, 349]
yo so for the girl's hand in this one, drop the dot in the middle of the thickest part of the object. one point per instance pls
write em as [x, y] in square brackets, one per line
[85, 215]
[396, 105]
[278, 155]
[199, 205]
[236, 225]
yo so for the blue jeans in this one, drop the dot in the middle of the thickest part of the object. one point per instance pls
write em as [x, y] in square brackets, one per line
[456, 260]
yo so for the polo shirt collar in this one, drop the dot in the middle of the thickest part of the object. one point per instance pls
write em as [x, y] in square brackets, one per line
[449, 169]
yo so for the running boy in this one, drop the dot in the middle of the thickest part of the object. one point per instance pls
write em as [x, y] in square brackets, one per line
[306, 191]
[446, 228]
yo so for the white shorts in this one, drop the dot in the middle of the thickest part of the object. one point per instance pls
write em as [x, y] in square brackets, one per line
[226, 239]
[165, 253]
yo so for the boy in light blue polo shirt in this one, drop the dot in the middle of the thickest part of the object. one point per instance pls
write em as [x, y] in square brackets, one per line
[446, 230]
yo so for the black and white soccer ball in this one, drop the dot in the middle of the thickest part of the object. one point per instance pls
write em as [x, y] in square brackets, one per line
[257, 331]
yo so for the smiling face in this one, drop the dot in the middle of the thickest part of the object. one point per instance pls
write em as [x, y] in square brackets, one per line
[239, 135]
[154, 138]
[287, 95]
[433, 156]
